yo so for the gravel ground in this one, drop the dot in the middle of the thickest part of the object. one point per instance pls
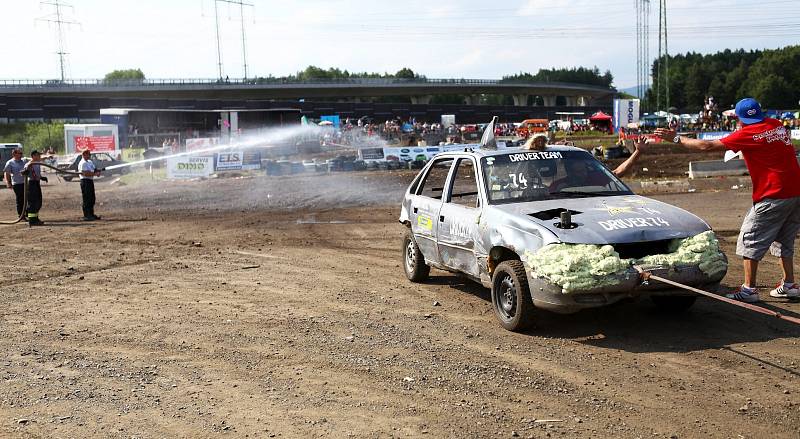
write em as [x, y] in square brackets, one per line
[277, 307]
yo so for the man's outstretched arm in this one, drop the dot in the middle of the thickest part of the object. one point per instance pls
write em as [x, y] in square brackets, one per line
[687, 142]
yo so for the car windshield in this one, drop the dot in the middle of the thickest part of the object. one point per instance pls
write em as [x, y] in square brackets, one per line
[546, 175]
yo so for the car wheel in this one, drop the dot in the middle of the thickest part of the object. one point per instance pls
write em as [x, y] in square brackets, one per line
[511, 298]
[67, 177]
[413, 261]
[674, 304]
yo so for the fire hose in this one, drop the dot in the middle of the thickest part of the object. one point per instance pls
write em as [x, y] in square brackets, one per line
[25, 190]
[647, 276]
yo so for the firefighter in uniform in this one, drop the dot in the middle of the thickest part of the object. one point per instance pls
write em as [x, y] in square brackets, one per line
[34, 171]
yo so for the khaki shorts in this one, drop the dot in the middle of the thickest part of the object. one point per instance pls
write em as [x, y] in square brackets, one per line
[771, 224]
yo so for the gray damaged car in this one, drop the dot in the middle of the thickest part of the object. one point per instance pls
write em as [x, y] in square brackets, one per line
[551, 229]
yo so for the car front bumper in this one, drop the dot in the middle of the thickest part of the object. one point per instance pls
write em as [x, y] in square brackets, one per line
[629, 285]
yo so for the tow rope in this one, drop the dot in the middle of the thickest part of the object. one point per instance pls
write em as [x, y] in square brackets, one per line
[646, 276]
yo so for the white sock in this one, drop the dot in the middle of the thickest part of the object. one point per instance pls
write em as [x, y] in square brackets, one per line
[749, 290]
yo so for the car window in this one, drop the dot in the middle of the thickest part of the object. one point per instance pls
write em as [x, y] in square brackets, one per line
[464, 190]
[547, 175]
[433, 184]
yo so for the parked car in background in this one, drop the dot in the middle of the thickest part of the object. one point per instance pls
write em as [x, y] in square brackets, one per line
[531, 126]
[101, 161]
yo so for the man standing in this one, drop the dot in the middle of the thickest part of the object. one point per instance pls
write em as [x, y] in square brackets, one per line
[15, 180]
[34, 171]
[774, 220]
[88, 173]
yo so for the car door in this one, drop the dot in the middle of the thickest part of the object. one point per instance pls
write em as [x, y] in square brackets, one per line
[458, 219]
[101, 160]
[425, 204]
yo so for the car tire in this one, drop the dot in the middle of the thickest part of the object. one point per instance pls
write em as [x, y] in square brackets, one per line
[511, 298]
[413, 261]
[67, 177]
[673, 304]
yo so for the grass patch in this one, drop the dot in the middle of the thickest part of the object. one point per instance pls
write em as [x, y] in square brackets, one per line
[141, 176]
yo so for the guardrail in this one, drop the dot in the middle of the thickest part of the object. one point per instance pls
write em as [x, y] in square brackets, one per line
[81, 83]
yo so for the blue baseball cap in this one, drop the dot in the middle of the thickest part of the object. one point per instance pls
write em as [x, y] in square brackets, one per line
[749, 111]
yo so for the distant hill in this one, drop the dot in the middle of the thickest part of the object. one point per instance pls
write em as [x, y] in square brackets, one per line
[631, 91]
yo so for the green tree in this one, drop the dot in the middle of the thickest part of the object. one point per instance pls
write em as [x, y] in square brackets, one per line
[125, 75]
[37, 135]
[575, 75]
[405, 73]
[730, 75]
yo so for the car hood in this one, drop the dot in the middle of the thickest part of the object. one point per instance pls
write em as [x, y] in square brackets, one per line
[610, 220]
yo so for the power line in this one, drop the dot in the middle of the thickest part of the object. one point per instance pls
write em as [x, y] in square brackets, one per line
[241, 5]
[57, 17]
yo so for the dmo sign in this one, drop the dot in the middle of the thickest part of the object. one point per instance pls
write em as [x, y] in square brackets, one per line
[189, 167]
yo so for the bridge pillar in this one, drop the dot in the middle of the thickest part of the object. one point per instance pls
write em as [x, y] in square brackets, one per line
[549, 101]
[472, 99]
[571, 101]
[583, 101]
[520, 100]
[421, 100]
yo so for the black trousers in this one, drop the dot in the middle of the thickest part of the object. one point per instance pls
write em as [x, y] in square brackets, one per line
[34, 198]
[19, 192]
[87, 191]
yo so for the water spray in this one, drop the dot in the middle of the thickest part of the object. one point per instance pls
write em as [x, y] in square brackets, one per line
[281, 134]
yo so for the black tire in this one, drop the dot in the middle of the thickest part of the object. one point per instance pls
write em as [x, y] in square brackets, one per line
[511, 298]
[413, 261]
[673, 304]
[67, 177]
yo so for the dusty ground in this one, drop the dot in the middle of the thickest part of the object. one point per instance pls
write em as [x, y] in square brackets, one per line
[193, 310]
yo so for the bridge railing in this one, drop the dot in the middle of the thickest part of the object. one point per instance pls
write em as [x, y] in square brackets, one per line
[144, 83]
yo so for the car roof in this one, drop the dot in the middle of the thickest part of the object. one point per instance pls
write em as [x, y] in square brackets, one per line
[494, 152]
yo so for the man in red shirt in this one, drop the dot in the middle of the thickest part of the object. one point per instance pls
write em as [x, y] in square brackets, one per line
[774, 220]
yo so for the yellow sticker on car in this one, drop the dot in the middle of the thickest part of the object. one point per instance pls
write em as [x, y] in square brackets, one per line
[425, 222]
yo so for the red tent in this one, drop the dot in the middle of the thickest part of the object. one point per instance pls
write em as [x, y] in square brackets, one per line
[602, 121]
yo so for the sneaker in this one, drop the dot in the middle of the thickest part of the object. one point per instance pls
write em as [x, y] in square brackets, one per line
[782, 292]
[744, 296]
[88, 218]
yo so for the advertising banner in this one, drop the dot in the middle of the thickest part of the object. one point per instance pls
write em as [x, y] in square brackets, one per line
[251, 160]
[626, 111]
[95, 143]
[333, 119]
[238, 161]
[189, 167]
[713, 135]
[372, 154]
[229, 161]
[201, 143]
[796, 134]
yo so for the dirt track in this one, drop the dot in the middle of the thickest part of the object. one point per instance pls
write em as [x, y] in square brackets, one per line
[192, 310]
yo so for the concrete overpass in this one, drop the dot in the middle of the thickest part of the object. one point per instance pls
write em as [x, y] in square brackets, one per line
[419, 91]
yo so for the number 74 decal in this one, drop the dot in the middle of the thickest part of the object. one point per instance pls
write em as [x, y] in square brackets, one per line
[519, 181]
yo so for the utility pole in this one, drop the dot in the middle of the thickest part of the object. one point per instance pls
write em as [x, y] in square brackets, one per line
[642, 8]
[666, 55]
[219, 51]
[663, 58]
[241, 5]
[57, 17]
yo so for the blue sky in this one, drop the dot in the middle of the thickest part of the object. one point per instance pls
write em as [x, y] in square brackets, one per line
[438, 38]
